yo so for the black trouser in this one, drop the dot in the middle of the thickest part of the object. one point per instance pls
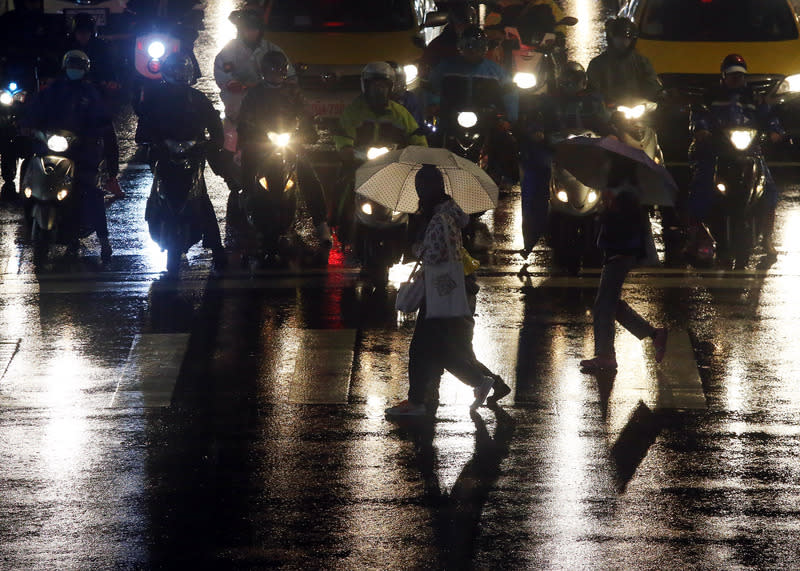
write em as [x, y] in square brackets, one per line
[441, 344]
[8, 159]
[207, 220]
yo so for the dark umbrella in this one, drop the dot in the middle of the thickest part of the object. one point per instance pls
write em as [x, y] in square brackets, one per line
[589, 158]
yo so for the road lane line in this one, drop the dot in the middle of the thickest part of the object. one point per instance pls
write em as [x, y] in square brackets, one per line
[679, 384]
[151, 371]
[323, 367]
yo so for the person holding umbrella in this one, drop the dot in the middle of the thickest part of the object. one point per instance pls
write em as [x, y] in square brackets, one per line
[443, 335]
[623, 228]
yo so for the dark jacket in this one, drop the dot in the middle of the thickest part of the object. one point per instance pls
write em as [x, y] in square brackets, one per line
[621, 78]
[78, 107]
[179, 113]
[268, 108]
[623, 224]
[556, 113]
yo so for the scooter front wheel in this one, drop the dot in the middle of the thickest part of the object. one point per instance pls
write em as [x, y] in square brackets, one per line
[41, 243]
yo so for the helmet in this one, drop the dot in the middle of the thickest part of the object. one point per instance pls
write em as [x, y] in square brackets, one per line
[376, 70]
[178, 69]
[473, 38]
[573, 77]
[246, 18]
[75, 59]
[83, 21]
[733, 63]
[274, 61]
[461, 14]
[622, 28]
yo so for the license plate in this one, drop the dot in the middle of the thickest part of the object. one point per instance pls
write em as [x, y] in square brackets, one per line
[100, 15]
[327, 108]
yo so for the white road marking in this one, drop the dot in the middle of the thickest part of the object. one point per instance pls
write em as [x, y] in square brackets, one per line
[323, 367]
[8, 348]
[151, 371]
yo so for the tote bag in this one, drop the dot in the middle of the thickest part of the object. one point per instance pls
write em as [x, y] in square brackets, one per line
[445, 294]
[411, 292]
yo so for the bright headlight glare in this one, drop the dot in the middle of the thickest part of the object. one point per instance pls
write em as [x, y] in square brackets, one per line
[279, 139]
[28, 192]
[525, 80]
[790, 84]
[592, 196]
[263, 182]
[411, 72]
[722, 188]
[57, 144]
[156, 50]
[741, 139]
[366, 208]
[375, 152]
[467, 119]
[6, 98]
[562, 196]
[632, 112]
[62, 194]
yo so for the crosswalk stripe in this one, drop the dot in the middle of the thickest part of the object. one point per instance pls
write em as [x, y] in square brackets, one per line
[323, 367]
[679, 384]
[151, 371]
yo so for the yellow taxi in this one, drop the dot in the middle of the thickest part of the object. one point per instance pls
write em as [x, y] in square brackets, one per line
[330, 41]
[686, 40]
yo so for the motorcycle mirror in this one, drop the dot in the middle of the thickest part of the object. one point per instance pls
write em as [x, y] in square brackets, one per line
[567, 21]
[434, 19]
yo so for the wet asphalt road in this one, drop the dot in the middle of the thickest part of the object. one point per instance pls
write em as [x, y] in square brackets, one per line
[236, 420]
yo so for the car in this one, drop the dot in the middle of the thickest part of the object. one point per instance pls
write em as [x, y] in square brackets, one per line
[329, 42]
[686, 40]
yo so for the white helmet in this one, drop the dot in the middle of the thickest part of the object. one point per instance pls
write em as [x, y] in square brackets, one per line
[376, 70]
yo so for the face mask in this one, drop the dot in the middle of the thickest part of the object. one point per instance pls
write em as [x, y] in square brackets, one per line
[75, 74]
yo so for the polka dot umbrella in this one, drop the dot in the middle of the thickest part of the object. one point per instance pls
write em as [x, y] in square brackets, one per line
[389, 179]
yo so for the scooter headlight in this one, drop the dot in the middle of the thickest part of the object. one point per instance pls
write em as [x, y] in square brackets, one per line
[742, 138]
[366, 208]
[28, 192]
[156, 50]
[591, 197]
[525, 80]
[790, 84]
[57, 144]
[562, 196]
[467, 119]
[6, 98]
[722, 188]
[62, 194]
[263, 183]
[411, 72]
[632, 112]
[279, 139]
[375, 152]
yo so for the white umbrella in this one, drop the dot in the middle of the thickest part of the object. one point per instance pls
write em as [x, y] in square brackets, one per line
[389, 179]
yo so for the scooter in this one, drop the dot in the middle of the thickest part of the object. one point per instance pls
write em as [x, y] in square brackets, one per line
[739, 183]
[50, 185]
[572, 215]
[178, 186]
[270, 201]
[12, 101]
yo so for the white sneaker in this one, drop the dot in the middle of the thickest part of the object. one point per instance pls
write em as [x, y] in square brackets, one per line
[406, 408]
[481, 392]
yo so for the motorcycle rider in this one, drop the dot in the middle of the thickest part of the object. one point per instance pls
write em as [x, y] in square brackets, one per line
[460, 15]
[73, 104]
[372, 117]
[236, 68]
[403, 96]
[733, 90]
[180, 112]
[471, 64]
[620, 72]
[84, 38]
[275, 97]
[572, 107]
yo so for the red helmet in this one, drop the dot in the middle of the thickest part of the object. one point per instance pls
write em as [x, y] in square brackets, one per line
[733, 63]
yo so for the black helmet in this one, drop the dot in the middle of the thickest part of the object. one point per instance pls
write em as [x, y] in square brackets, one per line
[733, 63]
[83, 21]
[573, 77]
[623, 29]
[473, 38]
[178, 69]
[246, 18]
[461, 13]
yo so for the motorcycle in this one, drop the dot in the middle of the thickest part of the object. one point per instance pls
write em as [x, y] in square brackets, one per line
[178, 187]
[271, 200]
[572, 215]
[49, 184]
[739, 184]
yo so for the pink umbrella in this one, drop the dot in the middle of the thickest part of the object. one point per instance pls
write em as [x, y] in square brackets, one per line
[588, 159]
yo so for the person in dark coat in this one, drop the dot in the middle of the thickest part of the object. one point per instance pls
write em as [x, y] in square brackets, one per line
[180, 112]
[73, 104]
[623, 231]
